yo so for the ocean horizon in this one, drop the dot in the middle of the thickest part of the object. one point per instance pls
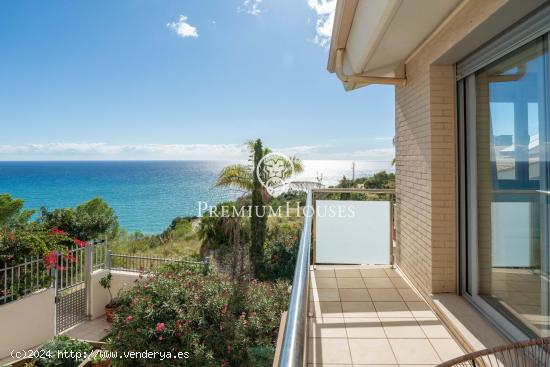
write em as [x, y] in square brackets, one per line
[146, 195]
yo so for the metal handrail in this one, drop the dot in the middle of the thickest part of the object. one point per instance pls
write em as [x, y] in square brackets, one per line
[338, 190]
[294, 338]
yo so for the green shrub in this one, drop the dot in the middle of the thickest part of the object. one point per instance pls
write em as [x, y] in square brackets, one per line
[88, 221]
[51, 353]
[216, 321]
[97, 359]
[31, 240]
[281, 251]
[12, 214]
[22, 238]
[262, 356]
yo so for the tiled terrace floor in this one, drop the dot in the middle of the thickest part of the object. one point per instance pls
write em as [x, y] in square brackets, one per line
[93, 330]
[370, 316]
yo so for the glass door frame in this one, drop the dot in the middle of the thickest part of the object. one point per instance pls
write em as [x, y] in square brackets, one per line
[469, 254]
[467, 195]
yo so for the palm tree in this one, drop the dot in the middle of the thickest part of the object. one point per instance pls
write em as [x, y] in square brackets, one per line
[241, 176]
[258, 221]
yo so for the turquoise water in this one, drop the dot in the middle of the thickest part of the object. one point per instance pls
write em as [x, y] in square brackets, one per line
[146, 195]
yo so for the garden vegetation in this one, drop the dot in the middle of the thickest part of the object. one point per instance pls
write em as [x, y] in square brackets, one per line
[218, 321]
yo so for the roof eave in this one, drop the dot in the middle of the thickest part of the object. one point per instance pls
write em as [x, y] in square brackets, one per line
[343, 19]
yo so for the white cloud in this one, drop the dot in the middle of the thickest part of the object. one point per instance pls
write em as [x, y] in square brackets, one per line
[303, 151]
[104, 151]
[381, 154]
[251, 7]
[90, 151]
[325, 19]
[224, 152]
[182, 28]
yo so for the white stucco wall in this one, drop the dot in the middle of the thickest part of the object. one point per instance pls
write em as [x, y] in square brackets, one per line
[30, 321]
[27, 322]
[100, 296]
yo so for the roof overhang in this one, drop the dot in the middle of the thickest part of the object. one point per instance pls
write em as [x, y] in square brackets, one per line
[376, 37]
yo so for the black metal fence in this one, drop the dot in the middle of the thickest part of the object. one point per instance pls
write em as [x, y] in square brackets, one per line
[146, 264]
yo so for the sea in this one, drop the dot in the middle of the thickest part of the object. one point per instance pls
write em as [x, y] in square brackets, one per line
[146, 195]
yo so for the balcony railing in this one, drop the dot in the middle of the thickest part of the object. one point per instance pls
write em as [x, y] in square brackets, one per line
[295, 334]
[294, 345]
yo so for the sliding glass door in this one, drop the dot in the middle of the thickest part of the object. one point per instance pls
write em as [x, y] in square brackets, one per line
[508, 186]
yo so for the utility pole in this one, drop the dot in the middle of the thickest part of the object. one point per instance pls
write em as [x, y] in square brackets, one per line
[353, 172]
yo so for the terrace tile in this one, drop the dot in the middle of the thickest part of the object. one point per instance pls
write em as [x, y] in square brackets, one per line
[370, 316]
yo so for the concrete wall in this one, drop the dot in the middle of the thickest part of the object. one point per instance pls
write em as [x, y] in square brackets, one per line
[100, 296]
[30, 321]
[426, 155]
[27, 322]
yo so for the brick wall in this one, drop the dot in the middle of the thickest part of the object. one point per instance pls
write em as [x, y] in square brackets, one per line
[426, 156]
[443, 180]
[414, 172]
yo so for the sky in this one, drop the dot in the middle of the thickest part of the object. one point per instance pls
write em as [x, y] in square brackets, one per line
[179, 79]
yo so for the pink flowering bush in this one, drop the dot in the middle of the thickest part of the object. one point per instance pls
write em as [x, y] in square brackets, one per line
[217, 322]
[20, 244]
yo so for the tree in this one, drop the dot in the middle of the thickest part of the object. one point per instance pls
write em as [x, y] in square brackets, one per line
[243, 177]
[380, 180]
[227, 235]
[12, 213]
[88, 221]
[258, 218]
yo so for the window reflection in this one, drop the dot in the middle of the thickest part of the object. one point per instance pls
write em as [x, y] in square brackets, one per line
[511, 171]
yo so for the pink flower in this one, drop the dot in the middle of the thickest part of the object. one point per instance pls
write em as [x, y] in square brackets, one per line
[56, 230]
[160, 338]
[160, 327]
[129, 319]
[70, 257]
[79, 243]
[50, 260]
